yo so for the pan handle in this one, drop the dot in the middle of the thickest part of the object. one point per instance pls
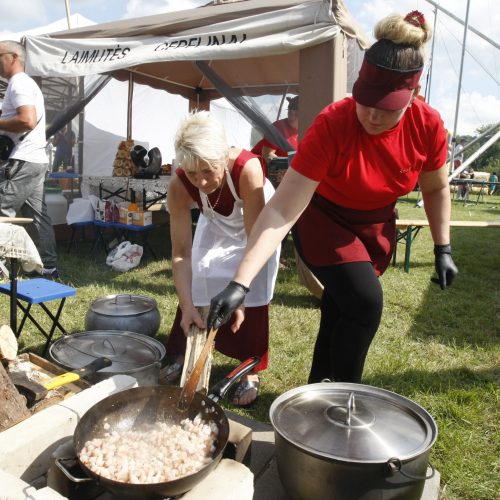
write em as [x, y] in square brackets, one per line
[218, 391]
[60, 465]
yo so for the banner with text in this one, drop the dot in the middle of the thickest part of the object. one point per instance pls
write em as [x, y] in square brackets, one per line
[272, 33]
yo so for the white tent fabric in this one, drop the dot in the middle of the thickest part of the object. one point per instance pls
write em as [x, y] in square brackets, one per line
[269, 33]
[155, 119]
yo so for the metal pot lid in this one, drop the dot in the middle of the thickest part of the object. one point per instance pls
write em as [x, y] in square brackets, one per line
[353, 422]
[123, 305]
[127, 350]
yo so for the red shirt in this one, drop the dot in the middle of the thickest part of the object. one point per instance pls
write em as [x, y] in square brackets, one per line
[362, 171]
[289, 133]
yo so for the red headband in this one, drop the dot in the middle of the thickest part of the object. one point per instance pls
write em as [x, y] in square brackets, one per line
[382, 88]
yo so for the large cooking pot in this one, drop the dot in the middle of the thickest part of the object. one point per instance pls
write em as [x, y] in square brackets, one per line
[133, 313]
[131, 353]
[142, 406]
[351, 441]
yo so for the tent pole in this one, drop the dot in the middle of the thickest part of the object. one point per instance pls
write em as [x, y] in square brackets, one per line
[68, 15]
[129, 105]
[81, 124]
[457, 106]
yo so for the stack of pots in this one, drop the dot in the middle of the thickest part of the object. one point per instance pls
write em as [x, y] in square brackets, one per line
[122, 328]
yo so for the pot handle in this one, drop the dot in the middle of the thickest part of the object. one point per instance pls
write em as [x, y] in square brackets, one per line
[394, 465]
[219, 390]
[60, 465]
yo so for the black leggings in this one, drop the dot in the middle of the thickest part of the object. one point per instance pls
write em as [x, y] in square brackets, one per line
[351, 309]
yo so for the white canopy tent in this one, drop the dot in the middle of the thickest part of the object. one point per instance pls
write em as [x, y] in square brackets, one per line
[257, 46]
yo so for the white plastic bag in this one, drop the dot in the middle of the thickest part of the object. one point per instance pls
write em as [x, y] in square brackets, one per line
[80, 210]
[125, 256]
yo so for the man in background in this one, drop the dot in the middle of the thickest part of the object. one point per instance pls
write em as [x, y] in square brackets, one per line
[288, 128]
[64, 140]
[22, 176]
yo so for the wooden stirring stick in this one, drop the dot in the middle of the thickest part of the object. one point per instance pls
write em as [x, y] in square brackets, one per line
[187, 393]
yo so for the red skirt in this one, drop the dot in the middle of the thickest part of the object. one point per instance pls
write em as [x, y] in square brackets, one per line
[252, 339]
[327, 235]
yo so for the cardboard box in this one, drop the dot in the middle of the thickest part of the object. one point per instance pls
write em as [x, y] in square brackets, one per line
[142, 218]
[106, 211]
[125, 216]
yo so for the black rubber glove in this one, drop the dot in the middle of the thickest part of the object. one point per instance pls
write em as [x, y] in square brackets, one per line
[445, 267]
[225, 303]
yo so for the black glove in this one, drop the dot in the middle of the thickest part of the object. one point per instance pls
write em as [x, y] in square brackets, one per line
[445, 267]
[225, 303]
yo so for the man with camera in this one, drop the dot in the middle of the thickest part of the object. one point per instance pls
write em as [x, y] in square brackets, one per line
[24, 160]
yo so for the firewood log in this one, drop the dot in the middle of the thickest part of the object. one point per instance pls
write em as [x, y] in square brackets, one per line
[12, 404]
[8, 343]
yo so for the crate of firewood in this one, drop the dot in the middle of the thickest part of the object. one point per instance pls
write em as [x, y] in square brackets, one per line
[32, 369]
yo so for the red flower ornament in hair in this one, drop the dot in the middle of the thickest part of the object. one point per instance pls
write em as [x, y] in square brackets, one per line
[416, 18]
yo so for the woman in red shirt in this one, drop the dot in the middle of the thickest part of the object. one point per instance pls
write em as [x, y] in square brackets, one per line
[358, 157]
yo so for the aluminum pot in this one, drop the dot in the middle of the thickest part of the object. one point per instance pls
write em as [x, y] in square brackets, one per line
[132, 313]
[131, 354]
[351, 441]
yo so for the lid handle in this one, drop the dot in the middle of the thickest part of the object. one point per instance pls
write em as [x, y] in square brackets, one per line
[351, 406]
[107, 343]
[129, 295]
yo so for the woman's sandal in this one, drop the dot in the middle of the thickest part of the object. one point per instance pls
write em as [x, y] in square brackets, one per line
[242, 388]
[173, 371]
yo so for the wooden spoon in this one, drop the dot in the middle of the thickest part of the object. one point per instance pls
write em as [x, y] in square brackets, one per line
[189, 389]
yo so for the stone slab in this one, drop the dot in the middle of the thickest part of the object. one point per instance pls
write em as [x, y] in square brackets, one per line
[230, 480]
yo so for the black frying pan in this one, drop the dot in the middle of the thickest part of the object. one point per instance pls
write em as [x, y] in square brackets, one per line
[133, 408]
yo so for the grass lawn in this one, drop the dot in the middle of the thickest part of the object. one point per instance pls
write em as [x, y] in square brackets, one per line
[438, 348]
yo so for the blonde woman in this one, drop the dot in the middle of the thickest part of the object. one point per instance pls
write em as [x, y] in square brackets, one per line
[228, 186]
[358, 157]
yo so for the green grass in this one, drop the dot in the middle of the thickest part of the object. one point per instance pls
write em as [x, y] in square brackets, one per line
[438, 348]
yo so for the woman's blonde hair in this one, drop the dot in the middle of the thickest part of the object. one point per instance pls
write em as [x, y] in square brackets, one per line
[400, 42]
[200, 138]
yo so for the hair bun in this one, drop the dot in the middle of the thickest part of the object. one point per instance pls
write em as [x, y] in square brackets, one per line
[416, 18]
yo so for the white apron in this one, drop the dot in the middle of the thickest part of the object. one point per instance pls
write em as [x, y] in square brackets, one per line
[218, 246]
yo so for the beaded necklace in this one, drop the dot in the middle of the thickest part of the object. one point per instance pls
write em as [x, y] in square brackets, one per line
[212, 207]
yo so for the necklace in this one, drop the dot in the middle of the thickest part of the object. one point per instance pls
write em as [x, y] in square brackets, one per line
[212, 207]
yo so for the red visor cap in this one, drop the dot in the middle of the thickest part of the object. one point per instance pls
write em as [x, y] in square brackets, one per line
[382, 88]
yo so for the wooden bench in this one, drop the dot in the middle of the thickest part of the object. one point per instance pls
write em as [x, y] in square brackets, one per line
[409, 228]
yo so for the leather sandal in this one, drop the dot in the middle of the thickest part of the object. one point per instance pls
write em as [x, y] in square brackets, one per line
[242, 388]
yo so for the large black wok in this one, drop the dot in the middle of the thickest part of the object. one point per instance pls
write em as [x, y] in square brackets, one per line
[142, 406]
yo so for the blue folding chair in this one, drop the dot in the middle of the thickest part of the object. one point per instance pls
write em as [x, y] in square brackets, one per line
[39, 291]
